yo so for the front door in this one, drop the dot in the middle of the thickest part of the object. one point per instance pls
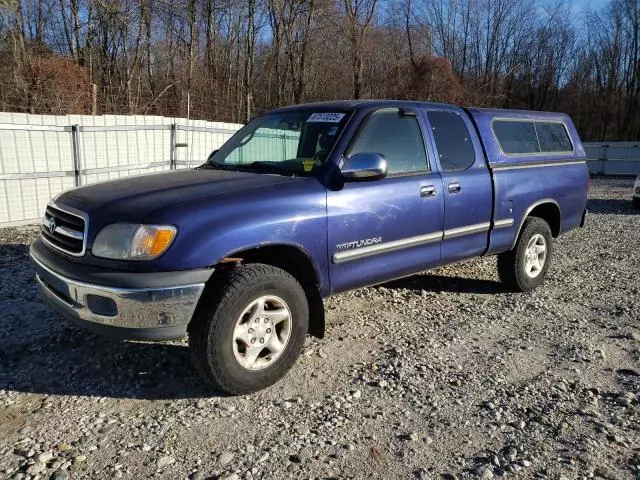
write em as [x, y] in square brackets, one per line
[384, 229]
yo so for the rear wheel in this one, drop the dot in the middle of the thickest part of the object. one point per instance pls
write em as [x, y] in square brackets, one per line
[248, 334]
[525, 267]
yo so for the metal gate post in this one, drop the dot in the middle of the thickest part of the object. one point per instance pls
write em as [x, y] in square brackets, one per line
[605, 158]
[77, 169]
[173, 153]
[284, 147]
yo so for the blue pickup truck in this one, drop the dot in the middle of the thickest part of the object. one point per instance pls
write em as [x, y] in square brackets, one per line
[301, 203]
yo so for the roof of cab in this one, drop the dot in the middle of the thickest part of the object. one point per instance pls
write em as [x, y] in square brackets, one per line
[358, 104]
[473, 111]
[481, 117]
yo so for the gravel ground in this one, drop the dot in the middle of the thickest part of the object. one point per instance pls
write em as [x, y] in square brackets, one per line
[440, 375]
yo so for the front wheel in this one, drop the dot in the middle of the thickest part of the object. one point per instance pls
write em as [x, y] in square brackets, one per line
[250, 331]
[525, 267]
[636, 202]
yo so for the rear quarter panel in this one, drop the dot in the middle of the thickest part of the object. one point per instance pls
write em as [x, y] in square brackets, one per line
[523, 181]
[518, 190]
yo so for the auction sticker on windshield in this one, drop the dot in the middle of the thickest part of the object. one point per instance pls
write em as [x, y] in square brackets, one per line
[326, 117]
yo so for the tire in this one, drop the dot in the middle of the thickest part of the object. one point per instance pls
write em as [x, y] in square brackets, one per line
[636, 202]
[513, 268]
[222, 327]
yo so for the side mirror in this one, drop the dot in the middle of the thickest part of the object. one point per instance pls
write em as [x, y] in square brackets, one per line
[211, 155]
[364, 166]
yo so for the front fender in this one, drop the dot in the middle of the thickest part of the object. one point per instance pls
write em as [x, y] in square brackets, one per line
[319, 270]
[292, 214]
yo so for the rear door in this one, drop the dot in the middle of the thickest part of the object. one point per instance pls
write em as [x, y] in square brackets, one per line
[387, 228]
[468, 193]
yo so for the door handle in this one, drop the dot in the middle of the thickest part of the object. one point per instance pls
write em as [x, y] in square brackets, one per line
[454, 187]
[427, 191]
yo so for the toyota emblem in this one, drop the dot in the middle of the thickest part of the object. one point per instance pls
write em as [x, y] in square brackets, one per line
[52, 225]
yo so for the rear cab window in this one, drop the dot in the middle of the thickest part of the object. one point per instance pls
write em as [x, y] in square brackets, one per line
[452, 139]
[531, 137]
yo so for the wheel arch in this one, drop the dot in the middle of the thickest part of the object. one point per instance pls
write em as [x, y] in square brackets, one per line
[294, 260]
[548, 210]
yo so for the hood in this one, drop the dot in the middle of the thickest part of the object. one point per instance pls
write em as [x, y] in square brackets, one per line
[133, 198]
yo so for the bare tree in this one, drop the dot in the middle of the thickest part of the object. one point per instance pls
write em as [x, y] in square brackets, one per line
[230, 59]
[359, 15]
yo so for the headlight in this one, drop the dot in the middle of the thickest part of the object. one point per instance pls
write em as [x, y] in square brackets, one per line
[128, 241]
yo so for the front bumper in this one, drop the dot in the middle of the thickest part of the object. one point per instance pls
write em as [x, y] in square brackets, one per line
[155, 313]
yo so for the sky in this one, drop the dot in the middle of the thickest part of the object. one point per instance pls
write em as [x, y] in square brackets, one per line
[585, 5]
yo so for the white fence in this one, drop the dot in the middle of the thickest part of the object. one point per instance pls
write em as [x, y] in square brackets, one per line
[613, 158]
[43, 155]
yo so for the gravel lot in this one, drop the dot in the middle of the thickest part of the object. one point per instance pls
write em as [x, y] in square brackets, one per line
[440, 375]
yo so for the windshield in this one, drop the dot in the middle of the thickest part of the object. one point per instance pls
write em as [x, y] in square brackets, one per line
[294, 142]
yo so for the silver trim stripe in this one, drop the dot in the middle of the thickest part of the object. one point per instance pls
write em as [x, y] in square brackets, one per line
[507, 222]
[467, 230]
[363, 252]
[536, 165]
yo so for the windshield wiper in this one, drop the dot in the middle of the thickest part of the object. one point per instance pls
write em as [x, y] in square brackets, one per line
[267, 167]
[215, 166]
[255, 166]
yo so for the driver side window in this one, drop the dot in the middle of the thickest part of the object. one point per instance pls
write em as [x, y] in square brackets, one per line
[395, 136]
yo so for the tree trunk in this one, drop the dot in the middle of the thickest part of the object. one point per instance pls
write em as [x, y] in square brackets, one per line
[248, 60]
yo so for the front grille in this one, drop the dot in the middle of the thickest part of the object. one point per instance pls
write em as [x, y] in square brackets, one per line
[64, 230]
